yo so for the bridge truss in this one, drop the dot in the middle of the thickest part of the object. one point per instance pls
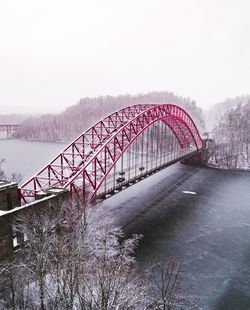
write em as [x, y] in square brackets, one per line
[9, 129]
[85, 165]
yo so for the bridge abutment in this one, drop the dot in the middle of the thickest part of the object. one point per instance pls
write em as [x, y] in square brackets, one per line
[9, 199]
[201, 158]
[10, 209]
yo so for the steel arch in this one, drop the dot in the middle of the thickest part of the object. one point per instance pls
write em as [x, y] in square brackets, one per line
[85, 163]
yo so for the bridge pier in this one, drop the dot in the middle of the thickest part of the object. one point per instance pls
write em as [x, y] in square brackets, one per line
[201, 158]
[8, 132]
[9, 129]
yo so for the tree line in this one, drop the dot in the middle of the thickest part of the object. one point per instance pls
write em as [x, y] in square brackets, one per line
[232, 138]
[74, 120]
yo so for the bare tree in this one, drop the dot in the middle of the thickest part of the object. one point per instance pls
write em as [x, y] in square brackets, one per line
[167, 286]
[16, 177]
[111, 279]
[72, 257]
[232, 136]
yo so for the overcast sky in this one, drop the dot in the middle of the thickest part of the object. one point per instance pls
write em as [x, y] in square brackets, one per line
[53, 52]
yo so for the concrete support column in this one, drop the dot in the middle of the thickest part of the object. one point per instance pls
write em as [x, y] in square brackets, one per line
[199, 159]
[9, 199]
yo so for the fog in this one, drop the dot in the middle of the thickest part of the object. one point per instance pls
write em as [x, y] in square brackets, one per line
[52, 53]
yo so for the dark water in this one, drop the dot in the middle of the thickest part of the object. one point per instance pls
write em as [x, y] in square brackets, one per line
[208, 231]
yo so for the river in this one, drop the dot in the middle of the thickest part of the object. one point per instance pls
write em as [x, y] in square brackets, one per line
[203, 222]
[198, 216]
[27, 157]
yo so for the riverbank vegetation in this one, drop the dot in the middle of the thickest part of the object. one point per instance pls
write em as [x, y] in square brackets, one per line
[228, 123]
[77, 258]
[232, 137]
[67, 125]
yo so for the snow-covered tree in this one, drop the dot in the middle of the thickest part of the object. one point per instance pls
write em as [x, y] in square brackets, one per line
[72, 258]
[232, 136]
[14, 177]
[167, 287]
[77, 118]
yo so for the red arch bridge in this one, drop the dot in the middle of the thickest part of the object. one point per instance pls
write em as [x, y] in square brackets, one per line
[118, 150]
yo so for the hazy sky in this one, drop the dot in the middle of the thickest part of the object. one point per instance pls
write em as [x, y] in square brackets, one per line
[53, 52]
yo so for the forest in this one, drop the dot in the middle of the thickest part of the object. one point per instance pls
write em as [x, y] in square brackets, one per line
[227, 122]
[67, 125]
[231, 134]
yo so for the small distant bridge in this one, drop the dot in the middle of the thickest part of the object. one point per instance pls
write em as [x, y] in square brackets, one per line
[119, 150]
[9, 129]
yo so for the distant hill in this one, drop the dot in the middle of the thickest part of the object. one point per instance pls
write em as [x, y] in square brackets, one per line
[77, 118]
[215, 113]
[13, 118]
